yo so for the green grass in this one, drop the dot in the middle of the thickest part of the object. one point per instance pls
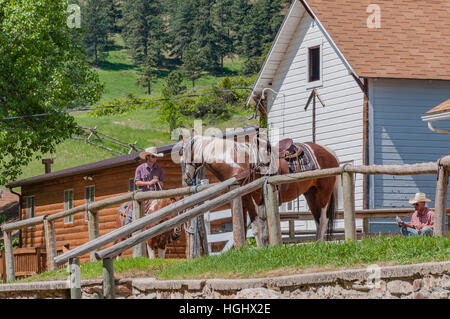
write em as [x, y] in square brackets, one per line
[128, 267]
[119, 74]
[252, 262]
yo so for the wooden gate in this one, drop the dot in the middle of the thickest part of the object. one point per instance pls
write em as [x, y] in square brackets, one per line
[28, 262]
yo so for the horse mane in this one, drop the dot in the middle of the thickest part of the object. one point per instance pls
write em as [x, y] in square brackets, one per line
[217, 149]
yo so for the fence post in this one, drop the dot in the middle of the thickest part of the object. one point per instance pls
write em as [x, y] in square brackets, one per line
[50, 244]
[75, 278]
[441, 202]
[138, 212]
[366, 226]
[238, 220]
[272, 213]
[9, 256]
[93, 229]
[292, 229]
[349, 205]
[263, 231]
[108, 279]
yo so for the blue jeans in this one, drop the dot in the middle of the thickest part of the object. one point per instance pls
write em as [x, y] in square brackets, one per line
[407, 231]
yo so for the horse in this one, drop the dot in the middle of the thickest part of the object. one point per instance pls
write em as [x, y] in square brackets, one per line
[159, 242]
[227, 158]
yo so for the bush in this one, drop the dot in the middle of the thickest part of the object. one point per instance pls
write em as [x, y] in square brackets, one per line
[107, 108]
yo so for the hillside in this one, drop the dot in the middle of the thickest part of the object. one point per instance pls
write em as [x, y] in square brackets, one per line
[141, 126]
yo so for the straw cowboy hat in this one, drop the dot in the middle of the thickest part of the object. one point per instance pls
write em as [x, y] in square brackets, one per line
[150, 151]
[419, 197]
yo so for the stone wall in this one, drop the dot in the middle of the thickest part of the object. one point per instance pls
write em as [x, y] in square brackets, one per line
[419, 281]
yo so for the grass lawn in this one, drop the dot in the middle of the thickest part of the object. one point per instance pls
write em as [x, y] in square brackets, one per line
[252, 262]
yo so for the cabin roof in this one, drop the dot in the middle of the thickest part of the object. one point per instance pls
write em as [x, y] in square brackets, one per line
[443, 107]
[105, 164]
[413, 41]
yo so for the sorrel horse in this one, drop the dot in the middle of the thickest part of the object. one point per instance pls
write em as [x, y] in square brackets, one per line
[159, 242]
[226, 158]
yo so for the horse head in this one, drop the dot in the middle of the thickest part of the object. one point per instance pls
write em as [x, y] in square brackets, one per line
[191, 167]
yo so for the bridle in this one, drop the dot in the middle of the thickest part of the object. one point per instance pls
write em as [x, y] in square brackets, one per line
[197, 167]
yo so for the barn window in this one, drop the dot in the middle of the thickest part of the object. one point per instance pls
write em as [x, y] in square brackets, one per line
[131, 185]
[68, 204]
[314, 63]
[89, 197]
[30, 206]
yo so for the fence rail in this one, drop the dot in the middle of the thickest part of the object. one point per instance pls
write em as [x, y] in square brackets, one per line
[208, 197]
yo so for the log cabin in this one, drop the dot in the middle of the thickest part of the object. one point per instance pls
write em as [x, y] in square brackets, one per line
[61, 190]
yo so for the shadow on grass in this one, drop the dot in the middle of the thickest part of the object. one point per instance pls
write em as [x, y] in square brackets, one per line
[108, 66]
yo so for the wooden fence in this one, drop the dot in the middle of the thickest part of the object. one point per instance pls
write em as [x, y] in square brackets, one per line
[28, 262]
[206, 199]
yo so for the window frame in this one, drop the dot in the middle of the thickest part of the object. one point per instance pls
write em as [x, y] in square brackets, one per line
[32, 208]
[309, 46]
[67, 202]
[131, 182]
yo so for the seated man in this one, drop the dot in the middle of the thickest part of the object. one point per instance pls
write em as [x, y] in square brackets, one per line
[422, 220]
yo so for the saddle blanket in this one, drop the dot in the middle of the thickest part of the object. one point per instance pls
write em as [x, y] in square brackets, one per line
[148, 207]
[306, 160]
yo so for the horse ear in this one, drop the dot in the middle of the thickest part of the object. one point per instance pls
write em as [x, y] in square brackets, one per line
[194, 132]
[183, 137]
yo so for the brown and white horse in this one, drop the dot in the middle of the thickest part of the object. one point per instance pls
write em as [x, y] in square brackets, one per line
[159, 242]
[226, 158]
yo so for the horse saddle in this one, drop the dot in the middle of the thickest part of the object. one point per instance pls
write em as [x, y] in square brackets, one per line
[300, 157]
[288, 149]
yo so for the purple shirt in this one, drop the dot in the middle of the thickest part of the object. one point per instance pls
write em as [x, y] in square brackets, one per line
[145, 174]
[427, 217]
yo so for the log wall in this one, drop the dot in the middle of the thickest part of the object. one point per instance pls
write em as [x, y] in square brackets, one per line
[49, 199]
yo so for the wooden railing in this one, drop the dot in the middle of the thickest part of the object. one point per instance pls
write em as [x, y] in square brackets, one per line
[93, 208]
[207, 199]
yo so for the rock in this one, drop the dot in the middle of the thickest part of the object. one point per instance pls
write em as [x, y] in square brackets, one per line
[176, 295]
[421, 295]
[258, 293]
[417, 284]
[445, 282]
[399, 287]
[429, 282]
[439, 293]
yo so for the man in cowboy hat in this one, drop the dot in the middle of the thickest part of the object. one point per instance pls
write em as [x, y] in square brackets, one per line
[422, 220]
[149, 175]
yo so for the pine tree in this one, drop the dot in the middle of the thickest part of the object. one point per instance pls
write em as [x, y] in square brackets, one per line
[238, 11]
[193, 62]
[96, 23]
[181, 25]
[147, 75]
[206, 35]
[143, 30]
[223, 25]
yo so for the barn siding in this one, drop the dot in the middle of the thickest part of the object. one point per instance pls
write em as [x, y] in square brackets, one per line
[339, 125]
[399, 136]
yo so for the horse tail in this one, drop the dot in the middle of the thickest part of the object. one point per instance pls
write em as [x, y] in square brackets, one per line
[332, 207]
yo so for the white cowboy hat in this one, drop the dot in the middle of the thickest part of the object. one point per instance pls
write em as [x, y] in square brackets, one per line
[150, 151]
[419, 197]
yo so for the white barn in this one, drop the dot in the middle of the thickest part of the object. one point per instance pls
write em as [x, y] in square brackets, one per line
[377, 69]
